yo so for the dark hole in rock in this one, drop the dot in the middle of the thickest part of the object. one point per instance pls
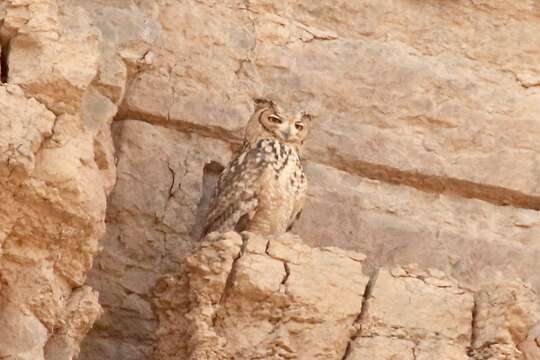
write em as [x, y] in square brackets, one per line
[211, 173]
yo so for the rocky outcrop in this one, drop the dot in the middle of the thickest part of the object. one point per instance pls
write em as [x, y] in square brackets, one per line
[248, 297]
[56, 169]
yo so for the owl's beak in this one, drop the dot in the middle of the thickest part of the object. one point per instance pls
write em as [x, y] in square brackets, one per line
[287, 133]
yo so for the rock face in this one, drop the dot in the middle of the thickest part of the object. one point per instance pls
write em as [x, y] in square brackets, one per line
[145, 234]
[425, 145]
[425, 150]
[251, 298]
[247, 297]
[412, 314]
[504, 318]
[56, 169]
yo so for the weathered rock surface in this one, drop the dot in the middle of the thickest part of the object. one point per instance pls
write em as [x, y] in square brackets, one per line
[148, 235]
[418, 140]
[471, 240]
[253, 298]
[425, 130]
[504, 317]
[410, 109]
[164, 180]
[531, 346]
[53, 52]
[56, 169]
[412, 314]
[248, 297]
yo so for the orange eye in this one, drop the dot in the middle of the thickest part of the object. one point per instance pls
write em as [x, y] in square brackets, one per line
[299, 126]
[275, 119]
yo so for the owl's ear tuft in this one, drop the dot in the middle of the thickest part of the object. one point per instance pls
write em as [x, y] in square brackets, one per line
[261, 103]
[307, 116]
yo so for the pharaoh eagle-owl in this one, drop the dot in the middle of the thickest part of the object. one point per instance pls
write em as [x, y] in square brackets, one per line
[263, 189]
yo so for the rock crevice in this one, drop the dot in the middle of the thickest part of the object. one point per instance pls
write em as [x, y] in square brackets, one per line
[361, 316]
[496, 195]
[4, 64]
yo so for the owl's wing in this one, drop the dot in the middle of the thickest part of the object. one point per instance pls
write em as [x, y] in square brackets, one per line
[236, 197]
[293, 220]
[298, 208]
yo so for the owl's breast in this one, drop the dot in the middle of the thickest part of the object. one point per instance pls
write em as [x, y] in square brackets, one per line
[287, 174]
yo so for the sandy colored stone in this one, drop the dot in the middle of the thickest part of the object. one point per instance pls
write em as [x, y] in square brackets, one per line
[23, 335]
[424, 127]
[56, 170]
[461, 23]
[405, 113]
[411, 314]
[97, 112]
[112, 76]
[505, 314]
[53, 55]
[153, 218]
[448, 303]
[23, 133]
[473, 241]
[237, 298]
[417, 120]
[382, 348]
[388, 348]
[241, 296]
[531, 346]
[52, 215]
[129, 30]
[378, 218]
[81, 311]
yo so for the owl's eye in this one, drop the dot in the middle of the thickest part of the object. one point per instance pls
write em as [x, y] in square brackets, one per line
[299, 126]
[275, 119]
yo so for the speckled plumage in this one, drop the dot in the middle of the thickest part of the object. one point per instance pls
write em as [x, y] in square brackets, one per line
[263, 188]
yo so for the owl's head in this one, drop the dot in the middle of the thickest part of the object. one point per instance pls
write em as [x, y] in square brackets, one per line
[268, 121]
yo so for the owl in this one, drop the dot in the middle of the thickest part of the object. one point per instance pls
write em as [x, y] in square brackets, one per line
[263, 188]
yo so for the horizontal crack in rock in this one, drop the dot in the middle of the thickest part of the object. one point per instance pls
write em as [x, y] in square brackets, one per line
[424, 182]
[430, 183]
[214, 132]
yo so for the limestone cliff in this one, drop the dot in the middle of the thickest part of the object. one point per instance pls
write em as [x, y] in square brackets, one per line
[56, 170]
[425, 146]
